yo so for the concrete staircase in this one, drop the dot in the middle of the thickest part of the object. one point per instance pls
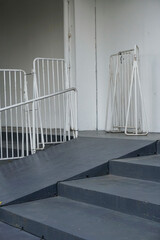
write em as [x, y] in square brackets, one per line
[123, 205]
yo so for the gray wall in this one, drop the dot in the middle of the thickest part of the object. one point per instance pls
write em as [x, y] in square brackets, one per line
[30, 29]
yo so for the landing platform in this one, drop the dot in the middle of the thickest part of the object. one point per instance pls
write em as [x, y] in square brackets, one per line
[36, 177]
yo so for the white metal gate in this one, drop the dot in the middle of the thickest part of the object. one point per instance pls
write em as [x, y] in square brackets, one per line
[125, 105]
[59, 112]
[15, 128]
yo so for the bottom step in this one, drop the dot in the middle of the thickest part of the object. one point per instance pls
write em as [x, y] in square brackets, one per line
[9, 233]
[63, 219]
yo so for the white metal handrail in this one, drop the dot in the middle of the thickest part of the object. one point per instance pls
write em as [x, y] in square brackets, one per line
[33, 101]
[38, 99]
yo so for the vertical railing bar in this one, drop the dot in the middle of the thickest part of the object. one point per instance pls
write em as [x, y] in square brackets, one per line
[126, 92]
[131, 107]
[15, 85]
[39, 76]
[129, 78]
[117, 100]
[49, 106]
[43, 74]
[6, 122]
[27, 151]
[109, 92]
[39, 104]
[112, 80]
[118, 82]
[118, 95]
[136, 100]
[133, 104]
[131, 112]
[114, 88]
[26, 116]
[63, 107]
[129, 100]
[10, 87]
[28, 119]
[142, 99]
[67, 104]
[32, 141]
[55, 105]
[36, 107]
[128, 74]
[59, 102]
[113, 119]
[121, 95]
[1, 143]
[68, 115]
[36, 125]
[125, 88]
[122, 90]
[22, 123]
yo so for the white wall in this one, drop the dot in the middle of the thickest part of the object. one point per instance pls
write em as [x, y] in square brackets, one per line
[35, 28]
[121, 25]
[85, 63]
[30, 29]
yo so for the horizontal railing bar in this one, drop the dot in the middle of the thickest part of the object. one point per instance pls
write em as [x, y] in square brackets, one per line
[12, 70]
[122, 52]
[38, 99]
[50, 59]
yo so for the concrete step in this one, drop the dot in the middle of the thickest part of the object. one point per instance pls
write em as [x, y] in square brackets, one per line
[36, 176]
[147, 168]
[131, 196]
[10, 233]
[64, 219]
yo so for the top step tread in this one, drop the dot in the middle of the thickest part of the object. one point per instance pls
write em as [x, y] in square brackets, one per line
[152, 160]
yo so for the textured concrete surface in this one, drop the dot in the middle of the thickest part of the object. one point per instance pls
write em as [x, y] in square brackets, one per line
[36, 176]
[104, 134]
[10, 233]
[147, 168]
[65, 219]
[131, 196]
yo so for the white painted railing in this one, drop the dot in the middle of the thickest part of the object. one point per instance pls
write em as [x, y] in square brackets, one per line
[50, 116]
[125, 105]
[15, 128]
[59, 116]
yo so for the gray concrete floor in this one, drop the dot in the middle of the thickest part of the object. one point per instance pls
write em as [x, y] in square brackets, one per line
[104, 134]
